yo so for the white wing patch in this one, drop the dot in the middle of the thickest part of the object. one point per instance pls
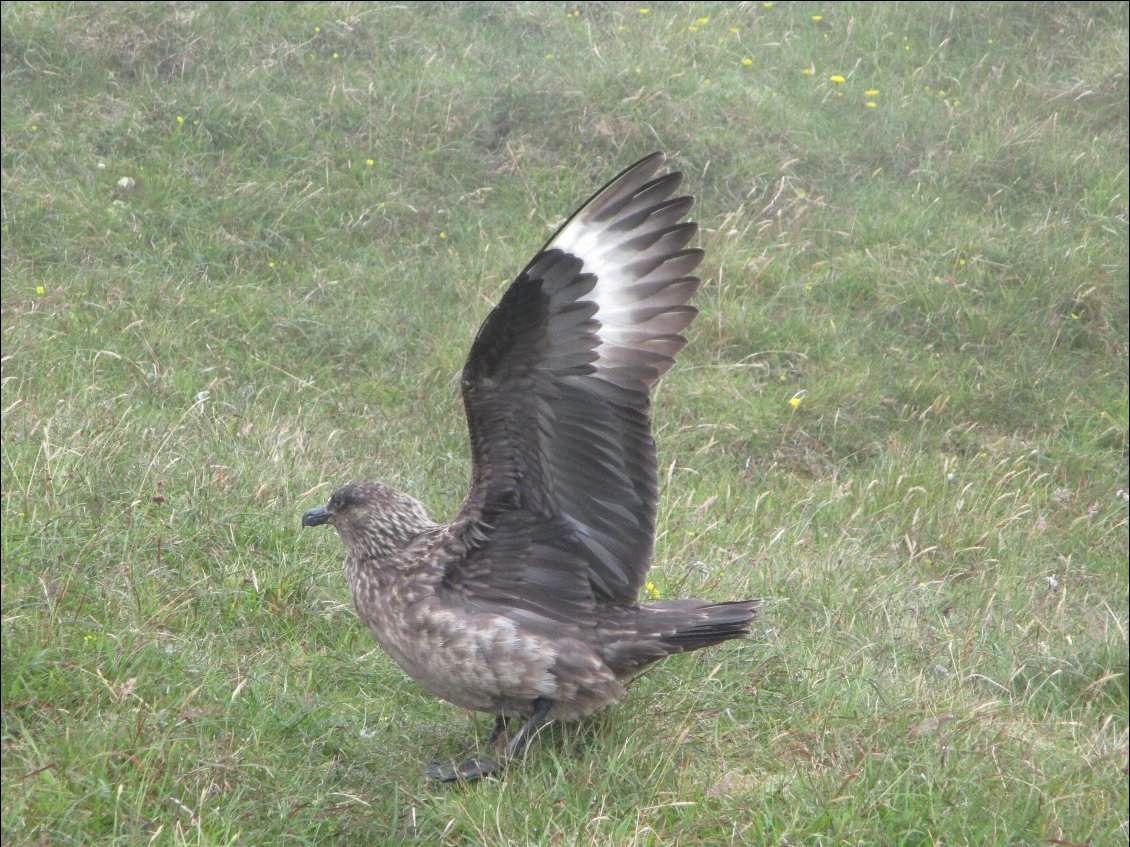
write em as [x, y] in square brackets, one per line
[633, 239]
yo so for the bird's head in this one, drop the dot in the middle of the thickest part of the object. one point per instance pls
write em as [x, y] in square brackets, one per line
[371, 518]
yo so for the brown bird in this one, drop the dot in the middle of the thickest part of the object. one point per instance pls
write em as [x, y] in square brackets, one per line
[527, 603]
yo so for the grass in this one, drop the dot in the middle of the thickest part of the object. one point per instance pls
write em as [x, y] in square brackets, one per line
[245, 249]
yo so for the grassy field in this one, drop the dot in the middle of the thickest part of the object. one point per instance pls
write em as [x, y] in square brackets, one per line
[245, 249]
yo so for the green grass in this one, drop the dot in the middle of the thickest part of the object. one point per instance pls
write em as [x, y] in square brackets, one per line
[245, 249]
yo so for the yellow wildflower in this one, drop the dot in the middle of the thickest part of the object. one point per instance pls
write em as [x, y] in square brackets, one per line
[702, 21]
[836, 78]
[549, 55]
[817, 18]
[39, 289]
[871, 92]
[180, 119]
[370, 162]
[652, 590]
[645, 11]
[747, 61]
[442, 234]
[871, 104]
[807, 71]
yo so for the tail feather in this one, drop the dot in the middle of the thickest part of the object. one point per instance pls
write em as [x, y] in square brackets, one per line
[712, 624]
[674, 626]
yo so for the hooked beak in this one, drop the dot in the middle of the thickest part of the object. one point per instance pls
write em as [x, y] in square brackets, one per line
[316, 517]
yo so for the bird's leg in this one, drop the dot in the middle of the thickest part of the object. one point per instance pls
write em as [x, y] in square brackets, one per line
[476, 767]
[537, 719]
[498, 730]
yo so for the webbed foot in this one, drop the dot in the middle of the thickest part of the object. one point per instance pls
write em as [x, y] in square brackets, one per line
[469, 770]
[476, 768]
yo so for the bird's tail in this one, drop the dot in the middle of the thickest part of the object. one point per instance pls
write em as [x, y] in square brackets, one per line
[692, 624]
[676, 626]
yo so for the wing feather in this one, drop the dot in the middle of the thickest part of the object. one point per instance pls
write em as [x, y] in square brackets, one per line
[561, 514]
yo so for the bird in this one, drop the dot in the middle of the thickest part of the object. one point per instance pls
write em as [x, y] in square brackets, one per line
[527, 603]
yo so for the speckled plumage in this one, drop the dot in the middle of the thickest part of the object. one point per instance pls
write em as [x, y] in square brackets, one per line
[526, 604]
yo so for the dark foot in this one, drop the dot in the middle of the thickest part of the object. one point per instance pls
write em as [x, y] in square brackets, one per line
[475, 768]
[469, 770]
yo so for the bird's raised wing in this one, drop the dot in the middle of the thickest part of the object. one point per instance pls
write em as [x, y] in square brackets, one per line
[561, 513]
